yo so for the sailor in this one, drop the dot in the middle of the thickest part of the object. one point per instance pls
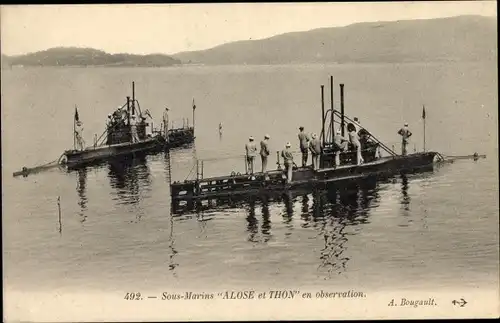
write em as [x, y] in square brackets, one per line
[133, 129]
[109, 122]
[80, 143]
[110, 125]
[358, 126]
[251, 152]
[220, 129]
[315, 147]
[264, 152]
[362, 132]
[148, 131]
[117, 115]
[288, 161]
[341, 145]
[304, 143]
[405, 135]
[123, 113]
[354, 139]
[364, 137]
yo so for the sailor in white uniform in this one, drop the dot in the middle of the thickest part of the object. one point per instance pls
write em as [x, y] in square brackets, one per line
[133, 129]
[250, 152]
[354, 139]
[80, 143]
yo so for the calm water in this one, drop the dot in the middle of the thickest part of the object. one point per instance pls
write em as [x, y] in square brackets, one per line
[436, 229]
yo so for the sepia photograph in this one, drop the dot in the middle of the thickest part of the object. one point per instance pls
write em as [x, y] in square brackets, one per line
[250, 161]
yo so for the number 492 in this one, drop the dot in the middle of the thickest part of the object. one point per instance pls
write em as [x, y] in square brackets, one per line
[133, 296]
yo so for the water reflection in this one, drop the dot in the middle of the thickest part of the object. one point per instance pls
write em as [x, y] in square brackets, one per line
[81, 190]
[405, 198]
[167, 166]
[334, 239]
[305, 215]
[266, 220]
[335, 213]
[404, 201]
[288, 212]
[173, 252]
[344, 211]
[130, 177]
[252, 223]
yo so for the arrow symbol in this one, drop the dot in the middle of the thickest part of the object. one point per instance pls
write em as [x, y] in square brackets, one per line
[462, 302]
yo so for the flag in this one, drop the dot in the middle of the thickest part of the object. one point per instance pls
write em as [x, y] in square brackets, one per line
[194, 105]
[423, 112]
[77, 117]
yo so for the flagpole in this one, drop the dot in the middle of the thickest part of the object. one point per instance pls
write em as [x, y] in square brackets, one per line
[74, 130]
[424, 135]
[423, 117]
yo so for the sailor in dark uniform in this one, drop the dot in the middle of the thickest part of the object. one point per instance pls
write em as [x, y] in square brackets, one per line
[304, 146]
[288, 161]
[264, 152]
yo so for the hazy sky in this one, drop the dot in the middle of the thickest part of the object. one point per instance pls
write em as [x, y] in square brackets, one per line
[161, 28]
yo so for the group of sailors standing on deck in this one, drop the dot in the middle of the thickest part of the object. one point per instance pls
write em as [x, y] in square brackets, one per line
[116, 120]
[314, 145]
[120, 118]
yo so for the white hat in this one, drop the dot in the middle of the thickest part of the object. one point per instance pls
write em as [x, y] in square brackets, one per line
[314, 135]
[119, 107]
[250, 138]
[406, 124]
[133, 116]
[267, 136]
[109, 115]
[339, 132]
[288, 145]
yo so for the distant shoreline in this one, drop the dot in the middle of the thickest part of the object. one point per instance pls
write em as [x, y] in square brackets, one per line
[88, 66]
[17, 67]
[71, 57]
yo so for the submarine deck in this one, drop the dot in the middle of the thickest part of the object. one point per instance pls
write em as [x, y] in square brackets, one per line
[275, 180]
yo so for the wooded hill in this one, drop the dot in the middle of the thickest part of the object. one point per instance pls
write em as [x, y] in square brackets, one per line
[462, 38]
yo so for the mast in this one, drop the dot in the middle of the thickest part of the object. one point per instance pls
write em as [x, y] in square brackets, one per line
[74, 129]
[128, 109]
[133, 97]
[424, 135]
[194, 108]
[323, 135]
[332, 130]
[342, 122]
